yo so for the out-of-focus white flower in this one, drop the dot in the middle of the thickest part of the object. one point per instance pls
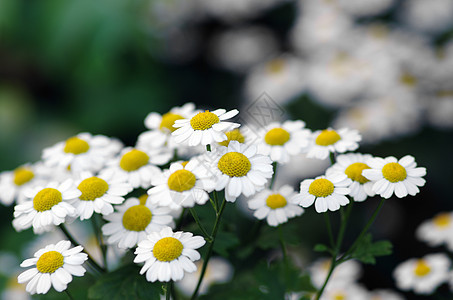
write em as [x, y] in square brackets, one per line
[384, 295]
[439, 110]
[344, 274]
[437, 231]
[364, 8]
[432, 16]
[350, 291]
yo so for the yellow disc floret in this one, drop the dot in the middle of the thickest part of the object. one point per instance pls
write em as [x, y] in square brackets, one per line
[167, 249]
[275, 66]
[421, 268]
[181, 180]
[442, 220]
[354, 171]
[49, 262]
[23, 175]
[275, 201]
[204, 120]
[137, 217]
[92, 188]
[133, 160]
[408, 79]
[321, 187]
[339, 296]
[233, 135]
[46, 199]
[234, 164]
[143, 198]
[327, 137]
[394, 172]
[168, 120]
[76, 146]
[276, 137]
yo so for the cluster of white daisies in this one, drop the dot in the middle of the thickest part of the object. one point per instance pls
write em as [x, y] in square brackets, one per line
[184, 156]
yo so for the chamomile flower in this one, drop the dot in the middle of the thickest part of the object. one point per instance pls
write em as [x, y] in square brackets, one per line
[244, 135]
[327, 192]
[352, 165]
[99, 193]
[280, 141]
[167, 254]
[351, 291]
[49, 205]
[13, 183]
[390, 175]
[183, 185]
[384, 295]
[240, 170]
[204, 127]
[330, 140]
[344, 274]
[134, 221]
[437, 231]
[276, 206]
[54, 266]
[422, 275]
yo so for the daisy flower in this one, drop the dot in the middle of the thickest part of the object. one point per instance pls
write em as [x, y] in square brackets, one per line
[330, 141]
[55, 266]
[384, 295]
[83, 152]
[134, 221]
[204, 127]
[422, 275]
[437, 231]
[280, 141]
[328, 192]
[99, 193]
[351, 291]
[48, 206]
[238, 169]
[276, 206]
[167, 254]
[352, 165]
[343, 274]
[390, 175]
[244, 135]
[183, 184]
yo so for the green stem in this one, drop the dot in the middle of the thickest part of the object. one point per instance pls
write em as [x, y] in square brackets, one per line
[69, 294]
[181, 218]
[329, 229]
[168, 290]
[332, 267]
[208, 147]
[332, 158]
[197, 220]
[274, 175]
[282, 244]
[99, 238]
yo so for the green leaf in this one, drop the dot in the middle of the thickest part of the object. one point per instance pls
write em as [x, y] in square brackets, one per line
[124, 284]
[322, 248]
[367, 250]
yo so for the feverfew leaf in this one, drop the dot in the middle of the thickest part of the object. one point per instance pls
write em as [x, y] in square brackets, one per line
[367, 250]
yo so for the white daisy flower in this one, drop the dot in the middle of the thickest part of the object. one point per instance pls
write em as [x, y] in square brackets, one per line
[183, 184]
[55, 266]
[352, 164]
[204, 127]
[282, 140]
[422, 275]
[134, 221]
[351, 291]
[49, 205]
[390, 175]
[328, 192]
[167, 254]
[238, 169]
[384, 295]
[330, 140]
[437, 231]
[83, 152]
[99, 193]
[244, 135]
[343, 274]
[277, 206]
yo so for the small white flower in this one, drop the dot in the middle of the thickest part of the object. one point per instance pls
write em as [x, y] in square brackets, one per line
[328, 192]
[437, 231]
[55, 266]
[343, 274]
[384, 295]
[423, 275]
[390, 175]
[330, 141]
[350, 291]
[276, 206]
[204, 127]
[167, 254]
[134, 221]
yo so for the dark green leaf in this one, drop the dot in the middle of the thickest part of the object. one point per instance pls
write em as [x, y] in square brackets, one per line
[321, 248]
[367, 250]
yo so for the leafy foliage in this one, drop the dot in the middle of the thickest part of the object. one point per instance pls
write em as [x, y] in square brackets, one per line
[367, 250]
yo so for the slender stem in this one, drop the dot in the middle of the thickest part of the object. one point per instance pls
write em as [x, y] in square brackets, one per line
[332, 158]
[197, 220]
[216, 200]
[208, 147]
[213, 203]
[282, 244]
[99, 238]
[181, 218]
[332, 267]
[168, 290]
[329, 229]
[274, 175]
[69, 294]
[211, 247]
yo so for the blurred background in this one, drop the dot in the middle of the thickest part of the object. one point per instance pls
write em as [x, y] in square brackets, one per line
[384, 67]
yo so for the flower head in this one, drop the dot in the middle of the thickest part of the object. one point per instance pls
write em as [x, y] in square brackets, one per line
[437, 231]
[330, 141]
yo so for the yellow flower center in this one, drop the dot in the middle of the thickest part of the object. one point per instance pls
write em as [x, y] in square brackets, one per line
[321, 187]
[167, 249]
[184, 163]
[233, 135]
[354, 171]
[408, 79]
[137, 218]
[143, 198]
[394, 172]
[339, 296]
[275, 66]
[49, 262]
[421, 268]
[275, 201]
[442, 220]
[234, 164]
[204, 120]
[325, 265]
[23, 175]
[276, 137]
[133, 160]
[92, 188]
[181, 180]
[168, 120]
[327, 137]
[76, 146]
[46, 199]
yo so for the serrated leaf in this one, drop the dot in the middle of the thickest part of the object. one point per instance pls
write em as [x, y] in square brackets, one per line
[367, 250]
